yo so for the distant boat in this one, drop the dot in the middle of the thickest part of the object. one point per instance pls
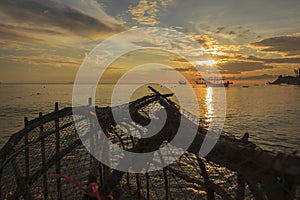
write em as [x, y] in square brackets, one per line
[182, 82]
[213, 83]
[287, 80]
[245, 86]
[217, 84]
[200, 82]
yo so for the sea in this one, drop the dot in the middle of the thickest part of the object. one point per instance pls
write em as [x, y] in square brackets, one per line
[269, 113]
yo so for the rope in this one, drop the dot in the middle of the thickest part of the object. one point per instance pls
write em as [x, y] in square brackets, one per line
[92, 190]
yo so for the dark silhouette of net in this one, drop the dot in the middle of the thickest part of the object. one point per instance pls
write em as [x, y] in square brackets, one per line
[235, 169]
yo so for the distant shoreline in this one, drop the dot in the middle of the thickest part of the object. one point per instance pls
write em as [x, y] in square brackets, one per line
[73, 83]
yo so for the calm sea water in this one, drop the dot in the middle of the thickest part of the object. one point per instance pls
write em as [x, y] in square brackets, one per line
[269, 113]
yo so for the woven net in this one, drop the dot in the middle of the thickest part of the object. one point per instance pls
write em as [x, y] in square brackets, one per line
[235, 169]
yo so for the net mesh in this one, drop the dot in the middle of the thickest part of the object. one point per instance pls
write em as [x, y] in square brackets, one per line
[50, 145]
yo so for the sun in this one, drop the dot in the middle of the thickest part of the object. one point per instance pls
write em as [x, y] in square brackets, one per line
[205, 62]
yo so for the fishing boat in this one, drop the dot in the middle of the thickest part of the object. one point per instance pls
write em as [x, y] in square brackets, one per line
[212, 83]
[47, 159]
[182, 82]
[200, 81]
[217, 84]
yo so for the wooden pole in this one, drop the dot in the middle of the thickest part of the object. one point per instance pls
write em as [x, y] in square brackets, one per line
[127, 179]
[147, 186]
[166, 183]
[22, 186]
[93, 166]
[57, 150]
[210, 193]
[26, 149]
[100, 173]
[138, 185]
[90, 101]
[43, 158]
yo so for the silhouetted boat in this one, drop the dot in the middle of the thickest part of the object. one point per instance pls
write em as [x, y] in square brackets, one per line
[218, 84]
[213, 83]
[200, 82]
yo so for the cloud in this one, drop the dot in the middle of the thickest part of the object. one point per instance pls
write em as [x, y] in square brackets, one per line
[91, 8]
[146, 11]
[145, 44]
[25, 34]
[289, 45]
[183, 69]
[205, 41]
[179, 60]
[12, 28]
[228, 35]
[220, 29]
[39, 60]
[276, 60]
[17, 36]
[239, 67]
[9, 44]
[259, 77]
[56, 15]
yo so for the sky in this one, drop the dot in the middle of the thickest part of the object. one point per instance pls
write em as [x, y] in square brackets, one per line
[47, 41]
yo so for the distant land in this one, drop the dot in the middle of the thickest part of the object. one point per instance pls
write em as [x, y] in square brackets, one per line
[290, 80]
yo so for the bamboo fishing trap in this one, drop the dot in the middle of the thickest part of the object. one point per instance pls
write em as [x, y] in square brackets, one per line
[49, 144]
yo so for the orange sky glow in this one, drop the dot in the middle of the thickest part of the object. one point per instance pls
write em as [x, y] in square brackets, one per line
[46, 41]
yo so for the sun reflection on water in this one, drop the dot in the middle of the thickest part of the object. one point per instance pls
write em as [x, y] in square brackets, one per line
[209, 104]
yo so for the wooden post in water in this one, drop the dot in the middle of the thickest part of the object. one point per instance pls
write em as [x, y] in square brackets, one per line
[26, 149]
[57, 150]
[43, 158]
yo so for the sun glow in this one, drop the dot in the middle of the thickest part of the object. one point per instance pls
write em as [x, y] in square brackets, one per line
[214, 51]
[205, 62]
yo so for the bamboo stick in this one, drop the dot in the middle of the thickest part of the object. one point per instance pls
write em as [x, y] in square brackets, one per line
[43, 159]
[57, 150]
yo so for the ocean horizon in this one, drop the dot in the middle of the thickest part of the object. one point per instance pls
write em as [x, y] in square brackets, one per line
[269, 113]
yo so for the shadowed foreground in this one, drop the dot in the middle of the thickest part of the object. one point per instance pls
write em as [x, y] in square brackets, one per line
[234, 169]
